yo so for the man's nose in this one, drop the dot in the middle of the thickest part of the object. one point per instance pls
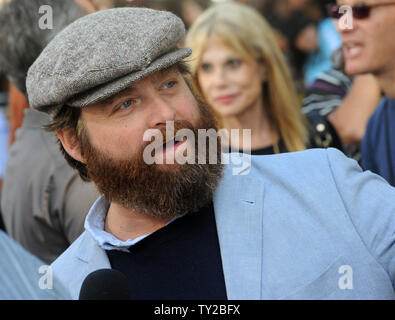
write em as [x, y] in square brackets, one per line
[162, 110]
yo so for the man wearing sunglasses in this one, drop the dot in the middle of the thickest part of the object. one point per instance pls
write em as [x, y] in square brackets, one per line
[369, 47]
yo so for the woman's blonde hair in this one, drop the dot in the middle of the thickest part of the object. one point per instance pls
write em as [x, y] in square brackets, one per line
[243, 30]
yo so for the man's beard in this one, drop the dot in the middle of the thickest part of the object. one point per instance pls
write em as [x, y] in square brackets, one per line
[150, 189]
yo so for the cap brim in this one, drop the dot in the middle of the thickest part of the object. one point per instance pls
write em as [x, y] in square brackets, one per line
[107, 90]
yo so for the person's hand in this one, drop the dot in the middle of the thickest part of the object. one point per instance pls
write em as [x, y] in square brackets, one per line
[351, 117]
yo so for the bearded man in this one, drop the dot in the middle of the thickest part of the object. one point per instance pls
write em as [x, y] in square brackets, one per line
[196, 230]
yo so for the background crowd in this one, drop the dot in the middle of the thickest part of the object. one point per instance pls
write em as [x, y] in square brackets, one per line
[279, 64]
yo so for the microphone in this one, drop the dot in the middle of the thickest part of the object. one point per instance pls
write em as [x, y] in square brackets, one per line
[105, 284]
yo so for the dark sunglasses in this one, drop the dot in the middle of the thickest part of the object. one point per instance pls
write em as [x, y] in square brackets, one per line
[359, 11]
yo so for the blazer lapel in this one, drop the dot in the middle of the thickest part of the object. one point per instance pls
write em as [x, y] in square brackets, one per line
[89, 257]
[238, 205]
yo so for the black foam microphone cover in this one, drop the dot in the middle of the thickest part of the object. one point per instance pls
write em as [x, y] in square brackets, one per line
[105, 284]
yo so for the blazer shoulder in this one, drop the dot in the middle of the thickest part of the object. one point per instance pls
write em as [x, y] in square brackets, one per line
[82, 257]
[293, 161]
[313, 167]
[73, 252]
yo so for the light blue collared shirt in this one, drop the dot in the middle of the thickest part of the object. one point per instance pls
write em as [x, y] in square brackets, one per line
[94, 224]
[22, 275]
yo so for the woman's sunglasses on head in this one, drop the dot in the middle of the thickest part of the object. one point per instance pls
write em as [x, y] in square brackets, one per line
[359, 11]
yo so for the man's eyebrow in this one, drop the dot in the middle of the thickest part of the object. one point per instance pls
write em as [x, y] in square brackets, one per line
[110, 100]
[159, 75]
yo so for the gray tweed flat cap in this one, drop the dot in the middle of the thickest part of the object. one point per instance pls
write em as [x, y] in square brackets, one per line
[103, 53]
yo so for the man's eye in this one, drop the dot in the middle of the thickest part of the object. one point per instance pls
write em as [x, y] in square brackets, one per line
[170, 84]
[126, 104]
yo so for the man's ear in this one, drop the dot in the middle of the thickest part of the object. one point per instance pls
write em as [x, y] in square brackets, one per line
[70, 143]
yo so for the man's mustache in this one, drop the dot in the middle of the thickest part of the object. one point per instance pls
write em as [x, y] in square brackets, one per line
[158, 138]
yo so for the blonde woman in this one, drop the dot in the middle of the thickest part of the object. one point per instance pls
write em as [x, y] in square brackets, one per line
[238, 68]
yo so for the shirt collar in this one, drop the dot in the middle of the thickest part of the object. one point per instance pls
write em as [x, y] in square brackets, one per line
[94, 224]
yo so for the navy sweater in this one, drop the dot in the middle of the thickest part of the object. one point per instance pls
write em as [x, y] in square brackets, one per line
[179, 261]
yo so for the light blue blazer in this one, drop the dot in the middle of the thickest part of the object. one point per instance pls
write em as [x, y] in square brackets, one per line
[304, 225]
